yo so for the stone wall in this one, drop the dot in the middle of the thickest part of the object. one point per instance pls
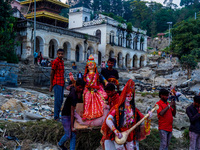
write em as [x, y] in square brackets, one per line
[8, 74]
[33, 75]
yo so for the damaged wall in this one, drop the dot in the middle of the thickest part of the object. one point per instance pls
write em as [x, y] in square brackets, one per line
[8, 74]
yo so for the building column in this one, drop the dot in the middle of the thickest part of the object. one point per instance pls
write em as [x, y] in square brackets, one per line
[130, 63]
[138, 63]
[27, 49]
[123, 62]
[96, 56]
[73, 55]
[145, 43]
[46, 50]
[116, 61]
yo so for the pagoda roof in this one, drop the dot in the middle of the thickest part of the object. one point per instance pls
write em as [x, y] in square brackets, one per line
[26, 2]
[48, 15]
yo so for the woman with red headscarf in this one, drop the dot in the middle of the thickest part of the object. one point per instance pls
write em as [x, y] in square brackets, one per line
[120, 118]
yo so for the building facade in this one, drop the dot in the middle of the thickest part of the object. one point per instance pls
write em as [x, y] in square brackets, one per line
[101, 36]
[129, 49]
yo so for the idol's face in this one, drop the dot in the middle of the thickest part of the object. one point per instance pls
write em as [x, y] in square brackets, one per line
[91, 66]
[129, 97]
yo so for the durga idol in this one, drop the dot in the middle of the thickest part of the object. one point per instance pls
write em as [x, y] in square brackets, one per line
[93, 95]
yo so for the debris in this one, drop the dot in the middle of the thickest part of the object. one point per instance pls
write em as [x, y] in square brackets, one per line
[22, 105]
[14, 104]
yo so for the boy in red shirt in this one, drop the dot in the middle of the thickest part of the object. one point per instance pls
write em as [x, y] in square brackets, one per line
[57, 82]
[165, 115]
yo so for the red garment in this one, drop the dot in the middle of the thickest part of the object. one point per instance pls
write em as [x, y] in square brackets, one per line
[58, 67]
[112, 101]
[106, 131]
[164, 122]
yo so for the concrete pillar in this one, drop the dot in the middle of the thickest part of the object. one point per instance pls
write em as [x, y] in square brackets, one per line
[116, 61]
[46, 50]
[123, 62]
[130, 63]
[73, 51]
[138, 63]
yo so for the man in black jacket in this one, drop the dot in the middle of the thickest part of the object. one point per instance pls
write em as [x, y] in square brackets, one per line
[193, 112]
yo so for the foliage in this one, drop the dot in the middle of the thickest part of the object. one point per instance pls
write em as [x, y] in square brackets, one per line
[7, 33]
[129, 27]
[150, 16]
[118, 18]
[51, 131]
[186, 37]
[189, 63]
[196, 53]
[64, 12]
[186, 134]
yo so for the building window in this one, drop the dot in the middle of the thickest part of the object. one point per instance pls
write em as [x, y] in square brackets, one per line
[112, 38]
[98, 34]
[86, 19]
[120, 40]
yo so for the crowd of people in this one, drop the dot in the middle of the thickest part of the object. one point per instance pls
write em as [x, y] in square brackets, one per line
[40, 61]
[95, 90]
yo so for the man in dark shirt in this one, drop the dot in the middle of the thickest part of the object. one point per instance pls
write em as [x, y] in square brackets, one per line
[74, 97]
[108, 72]
[193, 112]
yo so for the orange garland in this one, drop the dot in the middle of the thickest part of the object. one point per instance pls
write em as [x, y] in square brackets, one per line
[117, 114]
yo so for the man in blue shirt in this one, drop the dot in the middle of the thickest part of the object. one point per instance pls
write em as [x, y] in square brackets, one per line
[35, 57]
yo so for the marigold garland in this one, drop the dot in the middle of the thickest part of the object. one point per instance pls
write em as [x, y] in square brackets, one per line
[147, 125]
[117, 114]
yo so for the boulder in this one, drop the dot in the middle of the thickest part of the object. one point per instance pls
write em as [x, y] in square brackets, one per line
[160, 81]
[14, 104]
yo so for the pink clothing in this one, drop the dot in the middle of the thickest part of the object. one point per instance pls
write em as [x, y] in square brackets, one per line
[94, 97]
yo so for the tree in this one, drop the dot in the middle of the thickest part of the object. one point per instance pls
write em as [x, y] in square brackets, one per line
[189, 63]
[7, 33]
[140, 12]
[186, 37]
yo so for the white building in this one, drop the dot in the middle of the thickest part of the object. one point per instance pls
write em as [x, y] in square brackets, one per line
[128, 49]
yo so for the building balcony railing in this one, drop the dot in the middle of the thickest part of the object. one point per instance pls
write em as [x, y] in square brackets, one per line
[22, 25]
[110, 22]
[79, 9]
[127, 46]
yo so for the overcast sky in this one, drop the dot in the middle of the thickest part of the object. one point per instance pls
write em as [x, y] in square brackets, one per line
[177, 2]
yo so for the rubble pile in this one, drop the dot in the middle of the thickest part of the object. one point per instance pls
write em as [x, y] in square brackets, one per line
[23, 105]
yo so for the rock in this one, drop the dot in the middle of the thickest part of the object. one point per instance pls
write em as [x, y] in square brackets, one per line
[145, 72]
[196, 75]
[181, 121]
[126, 75]
[160, 81]
[14, 104]
[152, 64]
[31, 116]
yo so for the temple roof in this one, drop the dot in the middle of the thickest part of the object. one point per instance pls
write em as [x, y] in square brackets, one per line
[26, 2]
[48, 15]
